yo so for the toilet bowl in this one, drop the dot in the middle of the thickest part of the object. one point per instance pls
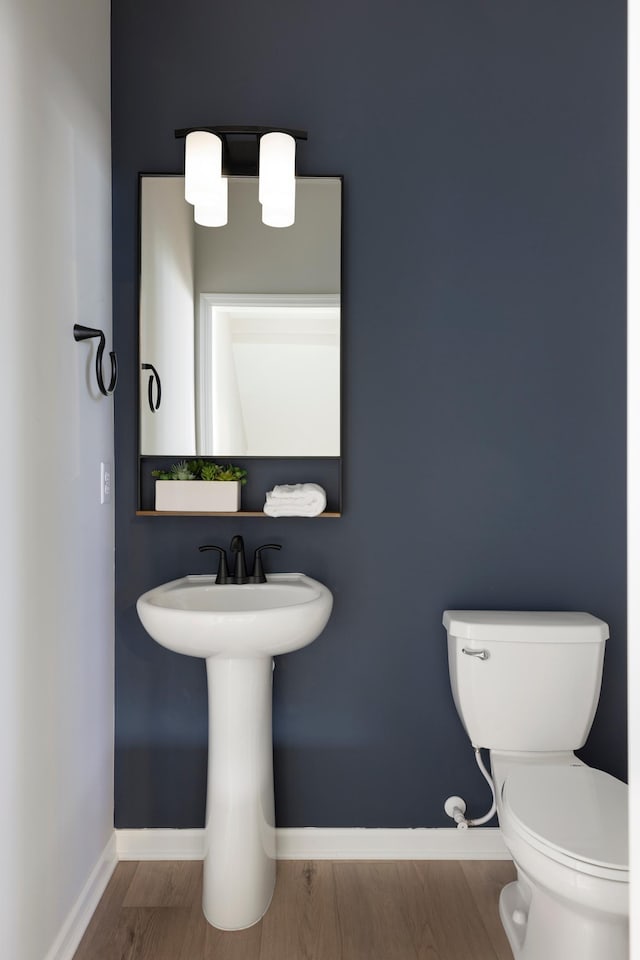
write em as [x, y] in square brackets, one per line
[565, 825]
[526, 687]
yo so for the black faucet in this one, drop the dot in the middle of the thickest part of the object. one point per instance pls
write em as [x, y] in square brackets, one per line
[240, 566]
[240, 573]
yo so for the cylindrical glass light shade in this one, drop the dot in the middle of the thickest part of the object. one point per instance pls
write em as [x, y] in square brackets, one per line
[214, 212]
[280, 210]
[277, 183]
[202, 167]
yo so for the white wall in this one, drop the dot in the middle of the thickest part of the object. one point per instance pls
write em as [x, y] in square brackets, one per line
[633, 365]
[290, 398]
[247, 257]
[56, 540]
[167, 334]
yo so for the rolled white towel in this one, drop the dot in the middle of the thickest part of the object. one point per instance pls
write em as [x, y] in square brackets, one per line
[295, 500]
[282, 511]
[296, 492]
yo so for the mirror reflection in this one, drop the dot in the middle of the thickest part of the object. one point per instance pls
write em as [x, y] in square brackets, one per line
[241, 324]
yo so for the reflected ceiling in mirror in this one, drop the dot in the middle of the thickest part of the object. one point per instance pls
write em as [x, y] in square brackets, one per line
[241, 323]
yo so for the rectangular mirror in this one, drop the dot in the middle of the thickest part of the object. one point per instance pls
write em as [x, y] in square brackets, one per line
[240, 325]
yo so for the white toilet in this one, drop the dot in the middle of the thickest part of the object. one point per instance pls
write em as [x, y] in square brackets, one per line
[526, 687]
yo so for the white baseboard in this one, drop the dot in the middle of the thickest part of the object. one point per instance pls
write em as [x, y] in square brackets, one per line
[446, 843]
[327, 843]
[73, 928]
[160, 844]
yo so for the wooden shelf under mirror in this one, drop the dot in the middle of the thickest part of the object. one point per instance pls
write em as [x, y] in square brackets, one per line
[237, 513]
[264, 473]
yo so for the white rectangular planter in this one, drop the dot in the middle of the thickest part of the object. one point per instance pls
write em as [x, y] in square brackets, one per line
[198, 496]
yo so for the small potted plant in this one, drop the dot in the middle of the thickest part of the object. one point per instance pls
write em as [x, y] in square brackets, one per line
[199, 486]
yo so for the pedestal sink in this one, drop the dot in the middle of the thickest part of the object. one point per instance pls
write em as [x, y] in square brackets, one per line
[238, 629]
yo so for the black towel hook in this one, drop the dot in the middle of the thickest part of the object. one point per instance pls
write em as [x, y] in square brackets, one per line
[88, 333]
[155, 376]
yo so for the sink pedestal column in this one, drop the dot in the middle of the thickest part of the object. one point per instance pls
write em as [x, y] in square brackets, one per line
[239, 863]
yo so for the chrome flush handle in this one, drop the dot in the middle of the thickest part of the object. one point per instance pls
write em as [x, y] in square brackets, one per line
[480, 654]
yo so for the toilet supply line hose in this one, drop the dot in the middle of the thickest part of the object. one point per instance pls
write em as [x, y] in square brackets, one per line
[455, 807]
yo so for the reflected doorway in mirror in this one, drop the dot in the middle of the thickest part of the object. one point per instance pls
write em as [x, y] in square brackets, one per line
[268, 375]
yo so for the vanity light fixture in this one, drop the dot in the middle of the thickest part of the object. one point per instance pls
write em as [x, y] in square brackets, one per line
[212, 154]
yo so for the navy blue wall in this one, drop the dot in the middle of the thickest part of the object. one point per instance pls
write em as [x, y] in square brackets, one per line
[483, 150]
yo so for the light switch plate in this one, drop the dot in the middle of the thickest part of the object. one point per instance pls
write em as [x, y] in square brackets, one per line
[105, 482]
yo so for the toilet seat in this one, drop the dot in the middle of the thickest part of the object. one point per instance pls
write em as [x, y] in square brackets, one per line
[573, 814]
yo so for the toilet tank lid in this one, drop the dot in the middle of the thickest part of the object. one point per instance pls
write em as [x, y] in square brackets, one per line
[525, 626]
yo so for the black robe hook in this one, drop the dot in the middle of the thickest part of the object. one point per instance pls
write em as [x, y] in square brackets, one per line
[155, 377]
[88, 333]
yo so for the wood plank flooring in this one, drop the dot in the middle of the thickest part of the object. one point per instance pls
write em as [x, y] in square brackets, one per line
[321, 910]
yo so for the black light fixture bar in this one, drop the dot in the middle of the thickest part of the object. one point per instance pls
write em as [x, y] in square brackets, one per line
[238, 131]
[239, 156]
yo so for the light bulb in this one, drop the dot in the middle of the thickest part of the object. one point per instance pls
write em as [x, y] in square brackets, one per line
[277, 183]
[214, 211]
[202, 167]
[279, 210]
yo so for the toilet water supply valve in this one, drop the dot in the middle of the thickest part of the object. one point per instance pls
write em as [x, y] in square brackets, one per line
[455, 807]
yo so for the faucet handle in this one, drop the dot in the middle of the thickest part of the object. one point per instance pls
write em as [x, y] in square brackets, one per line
[258, 575]
[223, 572]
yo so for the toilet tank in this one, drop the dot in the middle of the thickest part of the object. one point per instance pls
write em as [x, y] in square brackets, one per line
[525, 681]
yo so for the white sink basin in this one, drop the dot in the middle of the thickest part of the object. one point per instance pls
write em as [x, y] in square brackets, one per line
[238, 629]
[200, 618]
